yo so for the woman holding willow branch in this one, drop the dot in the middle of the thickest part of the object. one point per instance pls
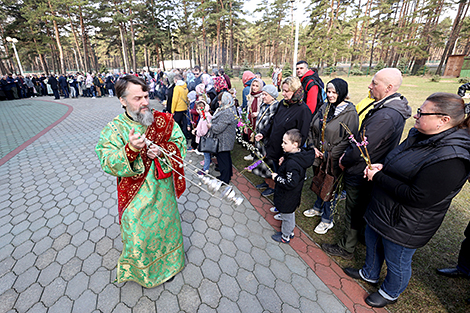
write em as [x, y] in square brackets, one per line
[330, 140]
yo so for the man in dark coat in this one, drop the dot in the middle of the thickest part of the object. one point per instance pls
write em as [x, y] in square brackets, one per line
[63, 85]
[54, 86]
[383, 127]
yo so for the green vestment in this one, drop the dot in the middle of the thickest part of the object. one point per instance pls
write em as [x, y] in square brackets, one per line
[150, 224]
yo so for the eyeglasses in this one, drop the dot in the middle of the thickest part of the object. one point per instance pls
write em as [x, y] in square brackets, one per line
[419, 113]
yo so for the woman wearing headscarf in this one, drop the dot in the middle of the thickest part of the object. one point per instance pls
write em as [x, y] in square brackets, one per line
[254, 103]
[247, 79]
[292, 113]
[209, 83]
[413, 190]
[223, 126]
[330, 140]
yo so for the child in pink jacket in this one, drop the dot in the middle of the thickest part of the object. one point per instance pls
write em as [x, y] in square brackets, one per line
[201, 129]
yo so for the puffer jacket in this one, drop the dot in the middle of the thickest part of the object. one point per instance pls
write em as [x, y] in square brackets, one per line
[224, 126]
[412, 226]
[290, 180]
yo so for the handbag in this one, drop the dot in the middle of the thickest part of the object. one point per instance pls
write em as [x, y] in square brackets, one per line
[208, 143]
[323, 183]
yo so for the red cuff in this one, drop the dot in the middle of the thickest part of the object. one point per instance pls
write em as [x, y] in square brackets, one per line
[131, 153]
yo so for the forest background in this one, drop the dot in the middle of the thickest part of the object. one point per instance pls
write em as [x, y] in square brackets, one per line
[69, 35]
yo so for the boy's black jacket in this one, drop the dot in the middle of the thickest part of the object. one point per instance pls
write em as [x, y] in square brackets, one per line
[290, 179]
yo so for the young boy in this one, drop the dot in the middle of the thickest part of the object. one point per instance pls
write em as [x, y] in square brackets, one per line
[289, 181]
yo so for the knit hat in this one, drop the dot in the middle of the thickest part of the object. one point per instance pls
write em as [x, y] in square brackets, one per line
[271, 90]
[341, 87]
[247, 75]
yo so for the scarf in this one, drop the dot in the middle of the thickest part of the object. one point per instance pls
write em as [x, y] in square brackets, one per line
[297, 98]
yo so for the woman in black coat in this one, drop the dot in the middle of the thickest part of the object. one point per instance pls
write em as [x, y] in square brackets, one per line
[412, 191]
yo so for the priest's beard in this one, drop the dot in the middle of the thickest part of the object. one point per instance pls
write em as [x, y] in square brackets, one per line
[144, 118]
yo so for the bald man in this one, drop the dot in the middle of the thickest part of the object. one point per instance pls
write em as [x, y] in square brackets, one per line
[383, 126]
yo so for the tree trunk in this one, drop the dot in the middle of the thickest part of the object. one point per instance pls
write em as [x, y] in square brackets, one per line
[57, 39]
[84, 41]
[231, 39]
[76, 43]
[134, 59]
[453, 35]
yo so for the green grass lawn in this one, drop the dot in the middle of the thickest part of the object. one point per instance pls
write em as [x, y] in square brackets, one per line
[427, 292]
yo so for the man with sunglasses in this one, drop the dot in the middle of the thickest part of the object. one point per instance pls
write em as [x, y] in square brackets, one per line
[383, 126]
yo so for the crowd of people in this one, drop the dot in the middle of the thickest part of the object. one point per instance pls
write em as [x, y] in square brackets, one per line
[396, 194]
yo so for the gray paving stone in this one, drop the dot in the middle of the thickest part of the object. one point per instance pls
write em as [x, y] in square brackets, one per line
[38, 308]
[192, 275]
[121, 308]
[108, 299]
[5, 240]
[130, 293]
[198, 239]
[247, 281]
[61, 242]
[213, 236]
[7, 300]
[249, 303]
[175, 286]
[210, 293]
[71, 268]
[296, 265]
[28, 298]
[145, 305]
[167, 302]
[264, 275]
[111, 258]
[104, 245]
[85, 303]
[76, 286]
[227, 306]
[22, 237]
[200, 226]
[6, 265]
[188, 299]
[229, 287]
[66, 254]
[24, 263]
[269, 299]
[244, 260]
[40, 233]
[26, 279]
[6, 282]
[53, 291]
[243, 244]
[211, 270]
[79, 238]
[287, 293]
[228, 265]
[195, 256]
[212, 251]
[22, 249]
[49, 273]
[86, 249]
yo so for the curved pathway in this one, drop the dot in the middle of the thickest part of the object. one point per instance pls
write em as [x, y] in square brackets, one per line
[60, 237]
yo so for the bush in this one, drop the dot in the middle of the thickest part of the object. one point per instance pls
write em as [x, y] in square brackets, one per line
[464, 80]
[270, 71]
[403, 65]
[245, 67]
[380, 65]
[228, 71]
[355, 71]
[435, 78]
[330, 69]
[286, 70]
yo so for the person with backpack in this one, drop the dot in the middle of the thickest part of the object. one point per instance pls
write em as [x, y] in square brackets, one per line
[314, 88]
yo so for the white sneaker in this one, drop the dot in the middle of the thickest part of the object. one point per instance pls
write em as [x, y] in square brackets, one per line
[198, 152]
[248, 158]
[312, 213]
[278, 217]
[273, 210]
[322, 228]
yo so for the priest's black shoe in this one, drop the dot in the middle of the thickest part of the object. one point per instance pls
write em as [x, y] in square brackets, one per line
[375, 300]
[354, 273]
[451, 272]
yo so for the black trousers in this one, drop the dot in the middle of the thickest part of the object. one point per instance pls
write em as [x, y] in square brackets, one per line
[56, 93]
[464, 254]
[181, 119]
[224, 160]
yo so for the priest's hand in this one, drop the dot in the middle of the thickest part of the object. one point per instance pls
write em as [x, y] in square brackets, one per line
[153, 152]
[136, 140]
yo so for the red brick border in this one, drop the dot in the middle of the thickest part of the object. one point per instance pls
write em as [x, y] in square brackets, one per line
[11, 154]
[345, 288]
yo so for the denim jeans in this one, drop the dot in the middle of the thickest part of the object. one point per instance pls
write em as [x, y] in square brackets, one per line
[207, 161]
[325, 208]
[398, 259]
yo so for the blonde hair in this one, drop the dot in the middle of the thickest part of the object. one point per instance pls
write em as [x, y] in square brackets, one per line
[292, 82]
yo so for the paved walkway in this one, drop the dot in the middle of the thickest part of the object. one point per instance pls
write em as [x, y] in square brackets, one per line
[60, 237]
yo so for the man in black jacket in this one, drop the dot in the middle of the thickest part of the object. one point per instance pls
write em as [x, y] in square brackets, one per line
[54, 86]
[383, 127]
